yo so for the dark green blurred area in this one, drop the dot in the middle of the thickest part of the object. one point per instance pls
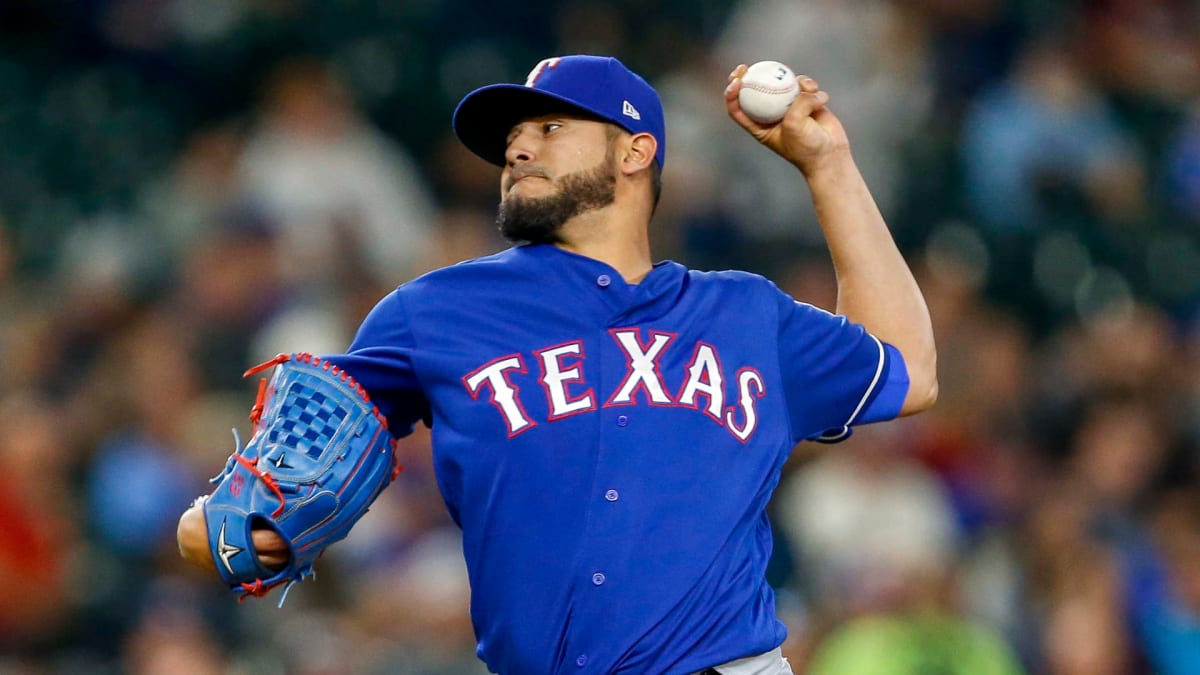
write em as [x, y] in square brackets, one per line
[95, 103]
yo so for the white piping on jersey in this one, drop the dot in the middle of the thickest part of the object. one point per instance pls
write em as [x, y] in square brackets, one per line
[845, 430]
[874, 381]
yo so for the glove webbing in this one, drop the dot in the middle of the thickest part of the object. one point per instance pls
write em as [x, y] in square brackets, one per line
[258, 588]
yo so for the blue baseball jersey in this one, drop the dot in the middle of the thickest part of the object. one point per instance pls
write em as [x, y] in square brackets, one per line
[609, 449]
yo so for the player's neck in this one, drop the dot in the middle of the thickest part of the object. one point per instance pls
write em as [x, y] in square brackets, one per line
[622, 243]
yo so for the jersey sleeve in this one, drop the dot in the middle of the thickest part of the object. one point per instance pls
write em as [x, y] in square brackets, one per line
[381, 358]
[836, 374]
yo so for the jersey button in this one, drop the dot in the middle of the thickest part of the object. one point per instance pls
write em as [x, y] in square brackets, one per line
[598, 579]
[622, 420]
[603, 281]
[612, 495]
[581, 660]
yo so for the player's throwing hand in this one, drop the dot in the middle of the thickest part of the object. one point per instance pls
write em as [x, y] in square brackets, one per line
[806, 136]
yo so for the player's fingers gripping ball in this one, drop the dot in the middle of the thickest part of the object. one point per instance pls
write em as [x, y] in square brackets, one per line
[768, 90]
[320, 455]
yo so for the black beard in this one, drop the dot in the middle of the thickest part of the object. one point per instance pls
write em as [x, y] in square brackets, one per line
[539, 220]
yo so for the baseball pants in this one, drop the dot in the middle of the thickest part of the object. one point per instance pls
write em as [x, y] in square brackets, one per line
[770, 663]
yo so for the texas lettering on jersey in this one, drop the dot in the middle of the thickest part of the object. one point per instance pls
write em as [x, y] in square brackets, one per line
[560, 374]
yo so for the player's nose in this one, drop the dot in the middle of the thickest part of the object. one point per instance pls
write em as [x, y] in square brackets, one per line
[520, 149]
[517, 155]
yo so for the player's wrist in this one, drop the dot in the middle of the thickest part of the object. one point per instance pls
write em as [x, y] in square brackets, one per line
[829, 166]
[192, 537]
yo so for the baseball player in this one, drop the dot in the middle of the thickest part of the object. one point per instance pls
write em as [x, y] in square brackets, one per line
[608, 430]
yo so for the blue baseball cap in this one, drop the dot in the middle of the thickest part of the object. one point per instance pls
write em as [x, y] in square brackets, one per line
[599, 86]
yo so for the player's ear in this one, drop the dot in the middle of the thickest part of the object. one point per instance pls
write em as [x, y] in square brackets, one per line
[639, 153]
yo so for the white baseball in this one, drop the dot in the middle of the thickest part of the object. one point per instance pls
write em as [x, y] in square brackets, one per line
[768, 89]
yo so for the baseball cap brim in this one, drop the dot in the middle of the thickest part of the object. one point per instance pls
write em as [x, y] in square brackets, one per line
[485, 117]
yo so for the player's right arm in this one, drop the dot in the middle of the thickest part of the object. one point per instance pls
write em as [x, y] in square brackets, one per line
[875, 286]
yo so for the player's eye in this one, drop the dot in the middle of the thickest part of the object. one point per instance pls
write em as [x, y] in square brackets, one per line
[550, 127]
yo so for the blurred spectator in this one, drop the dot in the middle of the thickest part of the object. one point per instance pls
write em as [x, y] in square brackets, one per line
[1074, 590]
[343, 195]
[877, 540]
[39, 535]
[1167, 610]
[1145, 48]
[199, 189]
[31, 348]
[407, 552]
[867, 524]
[1183, 169]
[464, 234]
[1118, 452]
[972, 44]
[433, 636]
[242, 309]
[172, 636]
[138, 476]
[697, 216]
[1175, 255]
[1069, 149]
[1132, 352]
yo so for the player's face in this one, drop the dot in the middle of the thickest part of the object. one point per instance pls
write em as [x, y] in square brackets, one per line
[558, 167]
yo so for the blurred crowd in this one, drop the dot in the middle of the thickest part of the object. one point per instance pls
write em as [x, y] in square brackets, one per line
[188, 188]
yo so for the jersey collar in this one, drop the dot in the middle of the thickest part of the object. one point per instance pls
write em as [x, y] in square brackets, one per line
[589, 278]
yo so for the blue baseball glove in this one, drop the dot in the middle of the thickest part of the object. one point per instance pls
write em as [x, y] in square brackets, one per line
[320, 455]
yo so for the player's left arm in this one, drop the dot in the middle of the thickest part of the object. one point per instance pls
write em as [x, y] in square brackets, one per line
[876, 288]
[321, 452]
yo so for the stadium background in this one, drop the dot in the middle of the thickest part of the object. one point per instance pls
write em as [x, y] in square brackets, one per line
[188, 187]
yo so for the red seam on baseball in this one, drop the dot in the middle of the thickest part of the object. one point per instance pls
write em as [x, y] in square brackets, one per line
[767, 90]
